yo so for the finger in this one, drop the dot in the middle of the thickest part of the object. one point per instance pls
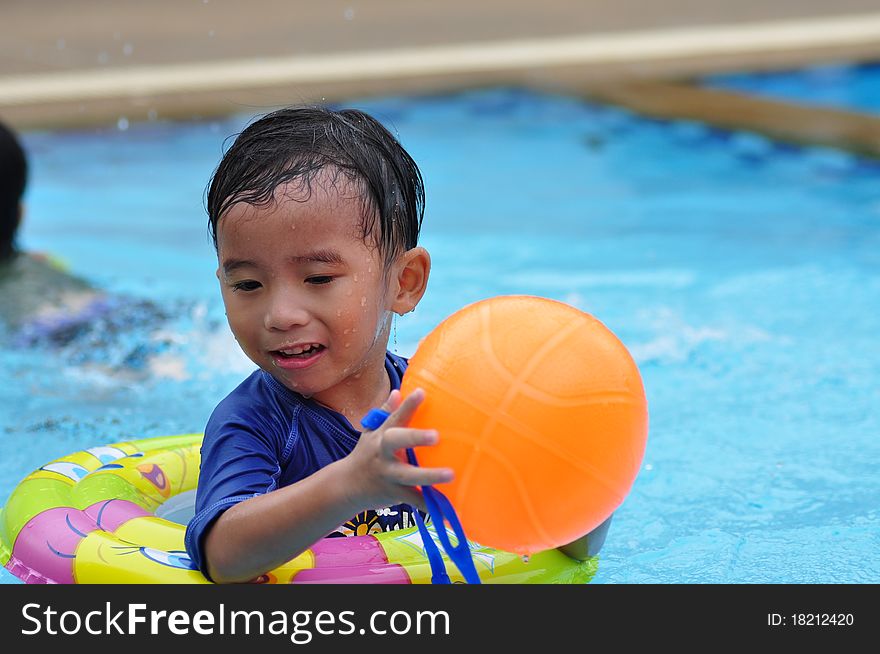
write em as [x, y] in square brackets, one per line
[406, 409]
[393, 401]
[375, 418]
[408, 475]
[400, 438]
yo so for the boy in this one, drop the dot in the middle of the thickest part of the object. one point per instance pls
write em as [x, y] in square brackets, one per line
[315, 216]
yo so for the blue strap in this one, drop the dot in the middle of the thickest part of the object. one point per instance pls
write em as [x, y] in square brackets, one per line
[438, 568]
[374, 419]
[441, 510]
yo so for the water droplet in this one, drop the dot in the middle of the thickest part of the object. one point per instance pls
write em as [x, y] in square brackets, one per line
[347, 331]
[122, 124]
[348, 345]
[355, 277]
[103, 58]
[127, 49]
[349, 13]
[60, 44]
[152, 114]
[211, 33]
[338, 312]
[364, 301]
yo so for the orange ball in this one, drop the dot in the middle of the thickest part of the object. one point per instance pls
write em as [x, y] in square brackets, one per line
[541, 413]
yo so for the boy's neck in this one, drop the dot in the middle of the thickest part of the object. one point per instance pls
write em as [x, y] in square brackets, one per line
[361, 392]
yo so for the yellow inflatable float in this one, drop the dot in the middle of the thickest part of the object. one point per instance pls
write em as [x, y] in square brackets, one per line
[96, 517]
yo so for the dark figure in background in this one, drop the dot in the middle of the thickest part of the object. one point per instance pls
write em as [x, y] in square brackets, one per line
[38, 299]
[13, 180]
[41, 304]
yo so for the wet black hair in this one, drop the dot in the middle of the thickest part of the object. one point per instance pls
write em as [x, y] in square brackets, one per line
[13, 179]
[298, 143]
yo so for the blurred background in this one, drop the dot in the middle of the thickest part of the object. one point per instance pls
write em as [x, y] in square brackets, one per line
[91, 62]
[701, 176]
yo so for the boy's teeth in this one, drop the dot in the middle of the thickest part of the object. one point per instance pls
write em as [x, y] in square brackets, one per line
[298, 350]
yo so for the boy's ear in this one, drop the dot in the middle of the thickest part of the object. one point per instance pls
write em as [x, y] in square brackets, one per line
[412, 269]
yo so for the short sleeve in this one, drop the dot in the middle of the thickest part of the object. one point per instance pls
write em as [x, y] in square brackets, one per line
[241, 458]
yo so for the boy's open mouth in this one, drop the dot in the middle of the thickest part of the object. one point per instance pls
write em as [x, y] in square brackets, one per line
[299, 351]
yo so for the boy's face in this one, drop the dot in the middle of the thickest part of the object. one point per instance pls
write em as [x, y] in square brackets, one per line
[305, 296]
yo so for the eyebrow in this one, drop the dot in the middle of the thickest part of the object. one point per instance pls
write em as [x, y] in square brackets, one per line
[231, 265]
[319, 256]
[316, 256]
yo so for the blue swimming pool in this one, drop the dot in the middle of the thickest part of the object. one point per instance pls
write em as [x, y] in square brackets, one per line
[743, 275]
[841, 86]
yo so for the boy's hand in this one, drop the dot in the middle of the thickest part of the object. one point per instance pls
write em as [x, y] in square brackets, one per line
[378, 474]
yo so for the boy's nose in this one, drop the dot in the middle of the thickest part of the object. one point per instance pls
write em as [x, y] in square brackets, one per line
[285, 313]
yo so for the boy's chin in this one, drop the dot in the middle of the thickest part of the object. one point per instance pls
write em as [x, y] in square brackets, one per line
[290, 384]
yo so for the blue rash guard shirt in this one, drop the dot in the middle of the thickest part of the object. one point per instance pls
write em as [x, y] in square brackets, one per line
[263, 436]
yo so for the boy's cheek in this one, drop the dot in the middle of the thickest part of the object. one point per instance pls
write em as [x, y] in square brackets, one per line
[231, 301]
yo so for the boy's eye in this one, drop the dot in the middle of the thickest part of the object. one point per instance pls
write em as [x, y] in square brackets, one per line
[319, 279]
[246, 285]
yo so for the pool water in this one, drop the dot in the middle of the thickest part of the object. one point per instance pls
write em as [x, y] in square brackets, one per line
[744, 277]
[839, 86]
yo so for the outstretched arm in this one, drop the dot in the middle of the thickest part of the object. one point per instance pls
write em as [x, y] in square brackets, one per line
[261, 533]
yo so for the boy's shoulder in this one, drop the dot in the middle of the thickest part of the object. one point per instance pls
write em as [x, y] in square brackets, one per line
[258, 403]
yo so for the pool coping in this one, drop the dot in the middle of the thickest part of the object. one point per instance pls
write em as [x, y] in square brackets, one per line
[788, 122]
[644, 70]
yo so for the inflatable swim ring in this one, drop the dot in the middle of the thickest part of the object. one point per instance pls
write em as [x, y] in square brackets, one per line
[91, 517]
